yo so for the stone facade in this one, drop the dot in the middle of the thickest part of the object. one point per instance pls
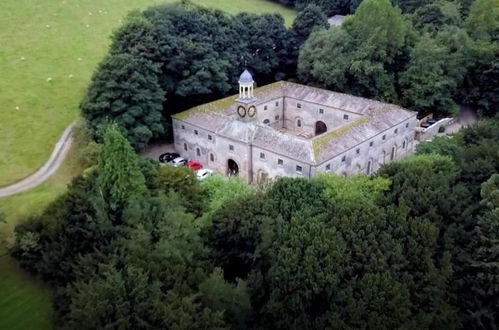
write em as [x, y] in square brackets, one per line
[287, 129]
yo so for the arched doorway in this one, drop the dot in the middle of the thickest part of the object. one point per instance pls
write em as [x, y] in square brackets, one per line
[232, 168]
[320, 127]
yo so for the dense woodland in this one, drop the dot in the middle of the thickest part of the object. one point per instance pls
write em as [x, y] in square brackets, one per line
[132, 245]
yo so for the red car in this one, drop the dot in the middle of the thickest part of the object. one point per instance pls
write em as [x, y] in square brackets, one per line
[193, 165]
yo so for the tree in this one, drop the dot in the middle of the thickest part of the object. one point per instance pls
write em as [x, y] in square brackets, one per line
[235, 233]
[309, 18]
[437, 16]
[363, 56]
[324, 59]
[125, 90]
[441, 146]
[428, 86]
[483, 20]
[220, 192]
[482, 79]
[119, 175]
[181, 180]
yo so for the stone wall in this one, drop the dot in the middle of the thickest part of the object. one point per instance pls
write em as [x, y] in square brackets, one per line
[308, 114]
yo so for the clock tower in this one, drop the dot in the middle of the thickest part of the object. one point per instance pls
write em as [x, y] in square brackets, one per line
[245, 103]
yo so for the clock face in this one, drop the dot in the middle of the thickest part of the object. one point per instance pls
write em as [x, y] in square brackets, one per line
[252, 111]
[241, 111]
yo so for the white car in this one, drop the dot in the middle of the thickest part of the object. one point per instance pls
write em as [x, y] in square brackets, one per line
[179, 161]
[203, 173]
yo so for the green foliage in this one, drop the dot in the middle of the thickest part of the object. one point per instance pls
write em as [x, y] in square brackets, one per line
[232, 299]
[353, 190]
[181, 180]
[428, 86]
[221, 191]
[235, 233]
[309, 18]
[442, 146]
[438, 15]
[125, 90]
[362, 56]
[119, 173]
[483, 20]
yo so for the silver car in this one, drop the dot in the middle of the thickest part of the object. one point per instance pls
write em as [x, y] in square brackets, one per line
[179, 161]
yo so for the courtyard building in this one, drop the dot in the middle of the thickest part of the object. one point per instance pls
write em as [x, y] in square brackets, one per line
[288, 129]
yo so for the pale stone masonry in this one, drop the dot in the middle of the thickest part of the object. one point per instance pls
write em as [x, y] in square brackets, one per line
[287, 129]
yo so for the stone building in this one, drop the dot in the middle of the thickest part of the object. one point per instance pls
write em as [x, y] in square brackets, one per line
[287, 129]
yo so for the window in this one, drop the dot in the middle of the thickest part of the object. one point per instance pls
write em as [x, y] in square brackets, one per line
[368, 170]
[185, 146]
[198, 152]
[406, 125]
[210, 137]
[276, 103]
[266, 121]
[321, 111]
[403, 145]
[212, 157]
[344, 158]
[265, 108]
[358, 151]
[299, 169]
[328, 167]
[345, 117]
[298, 105]
[280, 162]
[276, 117]
[231, 147]
[262, 155]
[371, 143]
[298, 123]
[384, 137]
[396, 130]
[196, 132]
[183, 127]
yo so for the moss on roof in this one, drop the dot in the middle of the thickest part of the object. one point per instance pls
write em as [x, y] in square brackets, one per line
[218, 106]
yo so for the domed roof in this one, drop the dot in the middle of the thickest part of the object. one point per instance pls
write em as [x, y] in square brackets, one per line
[246, 77]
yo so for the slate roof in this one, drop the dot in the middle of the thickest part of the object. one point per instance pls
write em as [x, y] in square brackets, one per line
[336, 20]
[220, 117]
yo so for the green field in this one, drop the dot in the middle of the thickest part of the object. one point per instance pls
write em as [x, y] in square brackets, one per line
[61, 40]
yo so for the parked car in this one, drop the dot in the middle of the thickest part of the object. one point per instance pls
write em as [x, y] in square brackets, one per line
[203, 174]
[194, 165]
[168, 157]
[179, 161]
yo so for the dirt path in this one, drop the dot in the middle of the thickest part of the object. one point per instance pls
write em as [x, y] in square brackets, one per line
[43, 173]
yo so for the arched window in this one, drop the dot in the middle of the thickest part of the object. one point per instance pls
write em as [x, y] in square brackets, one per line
[368, 169]
[212, 157]
[392, 154]
[198, 152]
[266, 121]
[298, 123]
[403, 145]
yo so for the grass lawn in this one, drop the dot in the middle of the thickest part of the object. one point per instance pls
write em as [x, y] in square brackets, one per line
[61, 40]
[24, 302]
